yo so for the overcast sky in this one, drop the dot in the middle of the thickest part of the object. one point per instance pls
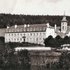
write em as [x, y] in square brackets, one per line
[35, 7]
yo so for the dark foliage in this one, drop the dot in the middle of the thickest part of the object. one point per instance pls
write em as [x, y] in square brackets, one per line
[64, 60]
[8, 19]
[66, 40]
[18, 44]
[11, 60]
[50, 41]
[57, 41]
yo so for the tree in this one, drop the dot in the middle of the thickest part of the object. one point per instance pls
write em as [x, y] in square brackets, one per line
[46, 40]
[64, 61]
[24, 59]
[10, 61]
[66, 40]
[58, 41]
[2, 39]
[2, 44]
[55, 66]
[50, 42]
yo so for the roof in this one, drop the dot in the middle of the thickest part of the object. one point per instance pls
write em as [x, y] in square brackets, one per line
[64, 19]
[28, 28]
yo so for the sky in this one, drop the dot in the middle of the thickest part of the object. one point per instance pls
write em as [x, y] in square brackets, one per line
[35, 7]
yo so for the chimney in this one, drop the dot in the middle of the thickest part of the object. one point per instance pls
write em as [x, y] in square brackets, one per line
[48, 25]
[55, 27]
[7, 27]
[15, 26]
[28, 25]
[25, 25]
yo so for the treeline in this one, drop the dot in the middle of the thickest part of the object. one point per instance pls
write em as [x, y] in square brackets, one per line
[8, 19]
[56, 42]
[22, 44]
[62, 64]
[12, 60]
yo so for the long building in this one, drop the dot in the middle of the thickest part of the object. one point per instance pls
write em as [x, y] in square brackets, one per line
[36, 33]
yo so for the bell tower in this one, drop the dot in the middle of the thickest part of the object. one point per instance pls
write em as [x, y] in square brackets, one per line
[64, 24]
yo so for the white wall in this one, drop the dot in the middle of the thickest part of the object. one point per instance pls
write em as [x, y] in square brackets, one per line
[32, 37]
[50, 31]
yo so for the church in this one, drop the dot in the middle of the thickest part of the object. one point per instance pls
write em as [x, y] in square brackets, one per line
[36, 33]
[64, 29]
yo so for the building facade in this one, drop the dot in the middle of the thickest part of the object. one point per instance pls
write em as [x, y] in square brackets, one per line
[35, 33]
[25, 33]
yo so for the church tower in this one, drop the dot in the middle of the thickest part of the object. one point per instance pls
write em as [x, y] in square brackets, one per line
[64, 24]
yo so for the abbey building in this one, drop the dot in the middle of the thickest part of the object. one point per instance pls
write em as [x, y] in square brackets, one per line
[36, 33]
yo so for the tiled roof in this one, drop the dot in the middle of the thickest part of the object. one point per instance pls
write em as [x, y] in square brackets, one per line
[61, 34]
[28, 28]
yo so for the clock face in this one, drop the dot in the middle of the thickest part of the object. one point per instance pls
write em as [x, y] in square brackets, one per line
[7, 5]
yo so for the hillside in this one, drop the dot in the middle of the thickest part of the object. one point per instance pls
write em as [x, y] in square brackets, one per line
[8, 19]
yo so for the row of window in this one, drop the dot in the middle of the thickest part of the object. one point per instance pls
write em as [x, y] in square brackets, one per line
[21, 39]
[29, 34]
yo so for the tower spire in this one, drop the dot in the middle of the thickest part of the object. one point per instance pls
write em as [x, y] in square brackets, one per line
[64, 24]
[64, 17]
[64, 13]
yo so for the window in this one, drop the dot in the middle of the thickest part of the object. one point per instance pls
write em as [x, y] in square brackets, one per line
[36, 39]
[63, 27]
[9, 34]
[20, 39]
[15, 34]
[34, 34]
[31, 34]
[21, 34]
[30, 38]
[40, 38]
[27, 38]
[17, 39]
[44, 33]
[12, 34]
[9, 39]
[40, 33]
[14, 39]
[37, 33]
[18, 34]
[28, 34]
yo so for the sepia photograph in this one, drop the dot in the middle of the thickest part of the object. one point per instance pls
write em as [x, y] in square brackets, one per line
[34, 34]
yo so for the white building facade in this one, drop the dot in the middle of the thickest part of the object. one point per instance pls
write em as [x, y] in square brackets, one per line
[33, 33]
